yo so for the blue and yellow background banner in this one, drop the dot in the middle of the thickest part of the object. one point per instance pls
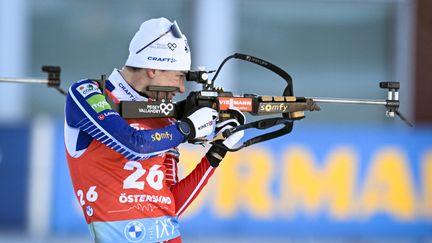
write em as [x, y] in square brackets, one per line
[319, 180]
[322, 180]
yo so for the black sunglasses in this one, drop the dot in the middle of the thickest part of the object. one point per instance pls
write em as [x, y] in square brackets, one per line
[175, 29]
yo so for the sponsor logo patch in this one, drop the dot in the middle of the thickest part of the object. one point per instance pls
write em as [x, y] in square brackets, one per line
[161, 59]
[243, 104]
[88, 89]
[126, 90]
[105, 114]
[172, 46]
[161, 136]
[155, 108]
[135, 231]
[272, 107]
[207, 124]
[166, 108]
[89, 211]
[98, 103]
[159, 46]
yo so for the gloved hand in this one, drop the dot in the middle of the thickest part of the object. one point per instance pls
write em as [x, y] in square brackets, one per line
[201, 122]
[217, 153]
[232, 140]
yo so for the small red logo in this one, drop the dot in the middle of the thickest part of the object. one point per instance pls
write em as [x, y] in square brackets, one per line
[243, 104]
[101, 117]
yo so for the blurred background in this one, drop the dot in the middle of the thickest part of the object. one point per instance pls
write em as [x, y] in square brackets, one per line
[346, 173]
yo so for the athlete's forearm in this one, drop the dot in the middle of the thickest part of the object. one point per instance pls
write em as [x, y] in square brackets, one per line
[187, 189]
[92, 114]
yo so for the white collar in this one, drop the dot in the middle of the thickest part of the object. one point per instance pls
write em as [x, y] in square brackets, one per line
[122, 90]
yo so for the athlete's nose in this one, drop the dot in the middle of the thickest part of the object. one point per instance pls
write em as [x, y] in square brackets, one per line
[181, 86]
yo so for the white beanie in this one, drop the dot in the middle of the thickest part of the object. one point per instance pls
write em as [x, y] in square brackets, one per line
[167, 53]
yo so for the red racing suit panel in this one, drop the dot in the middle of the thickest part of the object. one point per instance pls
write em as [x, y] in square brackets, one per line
[123, 187]
[110, 187]
[186, 190]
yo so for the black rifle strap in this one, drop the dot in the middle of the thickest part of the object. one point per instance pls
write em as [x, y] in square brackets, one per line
[261, 125]
[285, 120]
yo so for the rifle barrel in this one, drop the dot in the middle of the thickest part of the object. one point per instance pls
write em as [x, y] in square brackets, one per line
[349, 101]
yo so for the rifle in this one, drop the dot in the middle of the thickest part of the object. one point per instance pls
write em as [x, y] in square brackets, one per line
[289, 107]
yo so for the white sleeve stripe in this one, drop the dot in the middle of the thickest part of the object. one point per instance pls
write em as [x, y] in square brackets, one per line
[173, 170]
[99, 136]
[99, 133]
[94, 129]
[94, 132]
[84, 123]
[87, 129]
[191, 196]
[103, 137]
[87, 124]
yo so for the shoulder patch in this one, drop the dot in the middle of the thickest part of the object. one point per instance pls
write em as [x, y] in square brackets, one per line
[98, 103]
[87, 89]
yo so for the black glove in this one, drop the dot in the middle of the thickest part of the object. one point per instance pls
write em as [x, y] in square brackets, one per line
[215, 154]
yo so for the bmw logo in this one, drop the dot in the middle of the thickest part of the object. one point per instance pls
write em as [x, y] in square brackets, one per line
[89, 211]
[134, 231]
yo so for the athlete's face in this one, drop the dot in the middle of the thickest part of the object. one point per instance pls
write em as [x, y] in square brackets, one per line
[168, 78]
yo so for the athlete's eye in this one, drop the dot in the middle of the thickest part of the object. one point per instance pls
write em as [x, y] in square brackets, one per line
[182, 76]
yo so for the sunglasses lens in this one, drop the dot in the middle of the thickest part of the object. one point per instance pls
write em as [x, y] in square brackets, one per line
[175, 29]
